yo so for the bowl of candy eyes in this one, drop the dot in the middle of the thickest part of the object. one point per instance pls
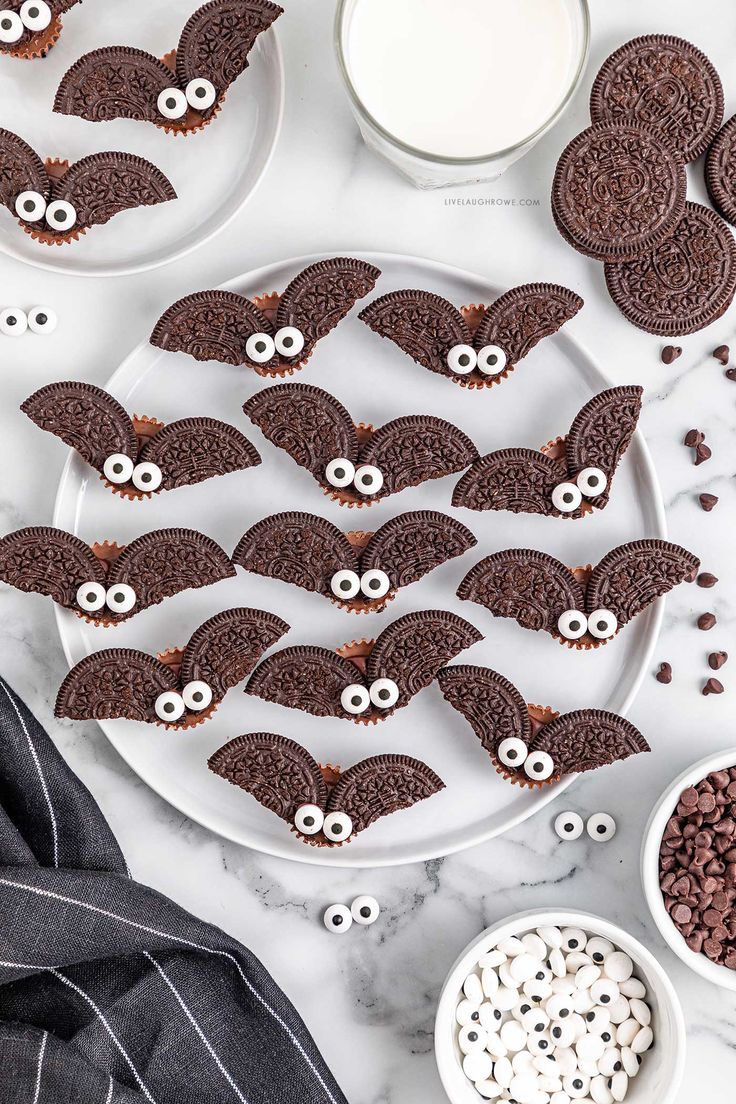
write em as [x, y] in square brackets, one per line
[549, 1007]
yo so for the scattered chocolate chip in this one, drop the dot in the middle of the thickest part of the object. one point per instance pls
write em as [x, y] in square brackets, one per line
[708, 501]
[722, 353]
[712, 686]
[705, 579]
[664, 674]
[706, 621]
[730, 373]
[702, 453]
[670, 353]
[693, 438]
[716, 660]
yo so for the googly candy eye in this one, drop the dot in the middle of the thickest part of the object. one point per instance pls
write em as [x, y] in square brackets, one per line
[602, 624]
[491, 360]
[337, 827]
[576, 1086]
[355, 698]
[169, 706]
[365, 910]
[13, 322]
[289, 341]
[604, 992]
[540, 1044]
[29, 206]
[512, 752]
[197, 695]
[562, 1033]
[566, 498]
[61, 215]
[466, 1012]
[472, 1038]
[368, 479]
[572, 624]
[592, 482]
[375, 583]
[260, 347]
[172, 103]
[337, 919]
[200, 93]
[462, 359]
[598, 948]
[118, 468]
[91, 597]
[42, 320]
[601, 827]
[308, 819]
[618, 966]
[120, 598]
[513, 1035]
[345, 584]
[340, 472]
[539, 766]
[574, 939]
[11, 27]
[35, 15]
[569, 826]
[477, 1066]
[536, 1021]
[147, 477]
[384, 693]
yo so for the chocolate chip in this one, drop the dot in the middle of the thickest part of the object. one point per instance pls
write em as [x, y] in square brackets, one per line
[708, 501]
[664, 674]
[705, 579]
[730, 373]
[722, 353]
[702, 453]
[706, 621]
[716, 660]
[670, 353]
[712, 686]
[693, 438]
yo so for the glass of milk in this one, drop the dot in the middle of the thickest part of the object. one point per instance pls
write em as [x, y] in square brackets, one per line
[454, 91]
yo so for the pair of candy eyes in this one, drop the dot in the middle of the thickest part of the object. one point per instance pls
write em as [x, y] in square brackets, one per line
[342, 473]
[60, 214]
[34, 15]
[537, 765]
[200, 94]
[601, 827]
[40, 320]
[119, 469]
[462, 359]
[287, 342]
[364, 910]
[590, 482]
[92, 597]
[373, 584]
[601, 623]
[336, 827]
[356, 698]
[171, 706]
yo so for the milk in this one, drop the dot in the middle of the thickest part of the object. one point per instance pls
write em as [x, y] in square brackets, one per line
[461, 78]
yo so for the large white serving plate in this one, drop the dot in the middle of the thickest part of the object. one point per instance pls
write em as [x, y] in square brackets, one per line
[214, 172]
[376, 382]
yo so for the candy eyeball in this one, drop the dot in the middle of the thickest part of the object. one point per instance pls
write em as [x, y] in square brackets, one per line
[42, 320]
[574, 939]
[472, 1038]
[29, 206]
[91, 597]
[601, 827]
[308, 819]
[566, 498]
[512, 752]
[337, 827]
[337, 919]
[384, 693]
[572, 624]
[120, 598]
[169, 706]
[172, 103]
[602, 624]
[355, 698]
[345, 584]
[260, 348]
[147, 477]
[200, 93]
[118, 468]
[592, 482]
[462, 359]
[61, 215]
[11, 27]
[539, 766]
[375, 583]
[289, 341]
[491, 360]
[13, 322]
[35, 15]
[368, 479]
[340, 472]
[365, 910]
[197, 696]
[576, 1086]
[569, 826]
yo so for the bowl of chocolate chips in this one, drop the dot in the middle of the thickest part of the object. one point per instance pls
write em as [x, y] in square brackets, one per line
[688, 866]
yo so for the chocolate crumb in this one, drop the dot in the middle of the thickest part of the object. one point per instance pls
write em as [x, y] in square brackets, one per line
[670, 353]
[705, 579]
[708, 501]
[693, 438]
[702, 453]
[712, 686]
[706, 621]
[664, 674]
[722, 353]
[716, 660]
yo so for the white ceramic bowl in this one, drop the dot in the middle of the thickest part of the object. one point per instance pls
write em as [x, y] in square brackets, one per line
[662, 1068]
[663, 810]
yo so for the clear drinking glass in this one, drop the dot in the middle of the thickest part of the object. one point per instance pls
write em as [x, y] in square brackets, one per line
[431, 170]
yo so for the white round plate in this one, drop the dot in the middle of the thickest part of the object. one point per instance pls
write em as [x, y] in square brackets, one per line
[214, 172]
[376, 382]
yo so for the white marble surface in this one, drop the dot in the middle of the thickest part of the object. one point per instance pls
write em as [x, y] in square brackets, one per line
[369, 998]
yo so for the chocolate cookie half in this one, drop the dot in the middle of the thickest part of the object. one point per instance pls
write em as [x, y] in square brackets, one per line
[720, 171]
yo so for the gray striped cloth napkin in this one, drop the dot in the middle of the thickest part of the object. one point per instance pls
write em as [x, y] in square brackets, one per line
[109, 992]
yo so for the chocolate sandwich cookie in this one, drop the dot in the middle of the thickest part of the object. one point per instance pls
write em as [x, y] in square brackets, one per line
[356, 464]
[360, 572]
[56, 202]
[108, 583]
[29, 29]
[366, 680]
[663, 83]
[570, 476]
[532, 745]
[582, 607]
[720, 171]
[323, 805]
[180, 688]
[682, 284]
[139, 456]
[618, 190]
[475, 346]
[181, 92]
[274, 334]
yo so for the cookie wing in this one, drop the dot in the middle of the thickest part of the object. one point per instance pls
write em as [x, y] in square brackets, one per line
[217, 39]
[21, 170]
[491, 705]
[104, 184]
[301, 549]
[412, 649]
[117, 682]
[42, 560]
[279, 773]
[166, 562]
[588, 739]
[307, 678]
[381, 785]
[602, 432]
[211, 325]
[305, 421]
[523, 316]
[320, 297]
[424, 325]
[634, 575]
[116, 82]
[194, 449]
[410, 450]
[226, 648]
[531, 587]
[411, 545]
[516, 479]
[86, 418]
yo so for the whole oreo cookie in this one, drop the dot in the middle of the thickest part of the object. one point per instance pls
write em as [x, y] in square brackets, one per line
[617, 190]
[684, 283]
[663, 83]
[720, 171]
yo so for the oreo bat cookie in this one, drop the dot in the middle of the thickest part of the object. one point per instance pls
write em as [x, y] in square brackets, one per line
[366, 680]
[109, 583]
[323, 805]
[56, 202]
[30, 28]
[475, 346]
[183, 91]
[356, 464]
[570, 476]
[274, 334]
[179, 688]
[533, 745]
[583, 607]
[360, 572]
[139, 456]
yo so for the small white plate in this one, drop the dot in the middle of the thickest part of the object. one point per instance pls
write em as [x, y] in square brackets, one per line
[376, 382]
[214, 172]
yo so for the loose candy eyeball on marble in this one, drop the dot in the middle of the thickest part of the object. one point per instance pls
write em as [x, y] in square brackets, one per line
[569, 826]
[365, 910]
[337, 919]
[42, 320]
[13, 322]
[601, 827]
